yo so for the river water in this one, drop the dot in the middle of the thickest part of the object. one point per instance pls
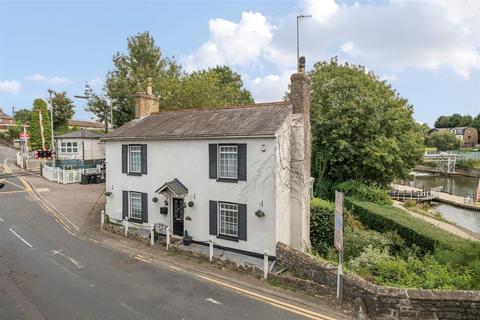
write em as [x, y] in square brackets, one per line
[457, 185]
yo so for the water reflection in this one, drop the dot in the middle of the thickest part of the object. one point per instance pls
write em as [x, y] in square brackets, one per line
[457, 185]
[468, 219]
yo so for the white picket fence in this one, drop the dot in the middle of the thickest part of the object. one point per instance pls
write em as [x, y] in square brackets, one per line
[60, 175]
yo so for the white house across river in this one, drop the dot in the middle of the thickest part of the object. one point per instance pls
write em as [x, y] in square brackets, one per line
[238, 174]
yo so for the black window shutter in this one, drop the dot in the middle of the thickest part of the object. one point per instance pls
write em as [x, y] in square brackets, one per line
[144, 158]
[212, 161]
[124, 158]
[145, 207]
[213, 217]
[125, 205]
[242, 162]
[242, 222]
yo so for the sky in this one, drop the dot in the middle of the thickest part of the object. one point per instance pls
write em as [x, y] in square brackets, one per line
[429, 51]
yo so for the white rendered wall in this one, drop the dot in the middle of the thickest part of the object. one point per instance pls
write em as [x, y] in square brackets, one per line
[187, 160]
[94, 149]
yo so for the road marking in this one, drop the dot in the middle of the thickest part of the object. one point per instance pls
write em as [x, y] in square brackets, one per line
[10, 192]
[141, 258]
[43, 190]
[75, 262]
[24, 241]
[135, 312]
[214, 301]
[271, 301]
[1, 220]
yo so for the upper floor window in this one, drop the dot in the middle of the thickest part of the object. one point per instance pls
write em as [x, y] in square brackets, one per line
[227, 162]
[135, 159]
[69, 147]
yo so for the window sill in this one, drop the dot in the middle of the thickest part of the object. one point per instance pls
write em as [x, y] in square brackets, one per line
[227, 180]
[229, 238]
[135, 220]
[134, 174]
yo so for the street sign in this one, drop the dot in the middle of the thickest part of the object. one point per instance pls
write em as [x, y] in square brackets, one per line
[339, 221]
[25, 136]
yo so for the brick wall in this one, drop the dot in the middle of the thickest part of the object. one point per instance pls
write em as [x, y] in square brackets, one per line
[382, 302]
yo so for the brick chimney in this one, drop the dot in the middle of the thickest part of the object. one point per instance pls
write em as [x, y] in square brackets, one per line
[146, 104]
[300, 166]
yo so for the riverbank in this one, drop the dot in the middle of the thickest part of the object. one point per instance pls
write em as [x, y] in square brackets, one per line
[451, 199]
[472, 173]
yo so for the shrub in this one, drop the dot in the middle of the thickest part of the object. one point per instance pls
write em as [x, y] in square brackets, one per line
[414, 231]
[362, 191]
[321, 225]
[378, 266]
[357, 240]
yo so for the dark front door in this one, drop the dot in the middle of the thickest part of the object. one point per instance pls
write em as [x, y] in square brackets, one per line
[178, 214]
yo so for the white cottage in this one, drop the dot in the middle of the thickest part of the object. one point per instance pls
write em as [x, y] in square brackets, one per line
[80, 148]
[239, 174]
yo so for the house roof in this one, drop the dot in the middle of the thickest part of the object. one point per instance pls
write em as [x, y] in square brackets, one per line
[86, 124]
[175, 186]
[3, 115]
[253, 120]
[80, 134]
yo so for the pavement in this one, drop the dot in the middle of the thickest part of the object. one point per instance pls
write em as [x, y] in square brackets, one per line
[56, 263]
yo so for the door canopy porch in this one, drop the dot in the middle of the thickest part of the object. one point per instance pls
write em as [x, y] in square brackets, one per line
[175, 186]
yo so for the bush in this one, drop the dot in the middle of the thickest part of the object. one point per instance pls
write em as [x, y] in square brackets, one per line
[321, 225]
[414, 231]
[378, 266]
[362, 191]
[14, 132]
[357, 240]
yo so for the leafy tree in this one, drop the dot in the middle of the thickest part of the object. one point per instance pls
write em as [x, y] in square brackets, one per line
[131, 71]
[454, 120]
[63, 110]
[476, 122]
[466, 121]
[22, 116]
[443, 140]
[217, 86]
[40, 107]
[96, 104]
[362, 129]
[442, 122]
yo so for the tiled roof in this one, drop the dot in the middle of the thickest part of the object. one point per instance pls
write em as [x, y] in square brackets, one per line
[175, 186]
[82, 133]
[86, 124]
[252, 120]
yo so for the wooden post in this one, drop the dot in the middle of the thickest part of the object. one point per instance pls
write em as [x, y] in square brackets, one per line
[167, 237]
[265, 265]
[102, 219]
[125, 226]
[152, 235]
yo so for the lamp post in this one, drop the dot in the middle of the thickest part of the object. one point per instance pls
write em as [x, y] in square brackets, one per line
[107, 105]
[299, 18]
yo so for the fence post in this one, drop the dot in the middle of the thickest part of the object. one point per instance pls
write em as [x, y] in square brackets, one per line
[125, 226]
[210, 250]
[152, 235]
[167, 237]
[102, 218]
[265, 264]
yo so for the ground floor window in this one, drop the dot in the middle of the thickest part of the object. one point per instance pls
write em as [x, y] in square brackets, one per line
[228, 219]
[135, 205]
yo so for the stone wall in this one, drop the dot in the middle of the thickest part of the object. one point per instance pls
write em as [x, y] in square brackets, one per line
[382, 302]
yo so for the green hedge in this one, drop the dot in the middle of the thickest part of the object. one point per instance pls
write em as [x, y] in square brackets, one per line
[385, 218]
[363, 191]
[321, 225]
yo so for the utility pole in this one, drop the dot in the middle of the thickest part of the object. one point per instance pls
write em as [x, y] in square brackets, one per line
[52, 147]
[299, 18]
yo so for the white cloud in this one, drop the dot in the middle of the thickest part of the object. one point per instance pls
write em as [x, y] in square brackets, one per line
[348, 47]
[272, 87]
[10, 86]
[388, 77]
[321, 11]
[37, 77]
[242, 43]
[96, 83]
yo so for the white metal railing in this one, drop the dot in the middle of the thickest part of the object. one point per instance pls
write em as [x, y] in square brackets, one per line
[60, 175]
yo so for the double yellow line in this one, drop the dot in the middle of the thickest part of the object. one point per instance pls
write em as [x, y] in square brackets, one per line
[28, 188]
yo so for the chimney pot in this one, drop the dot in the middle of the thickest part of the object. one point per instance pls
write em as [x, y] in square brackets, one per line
[301, 64]
[149, 87]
